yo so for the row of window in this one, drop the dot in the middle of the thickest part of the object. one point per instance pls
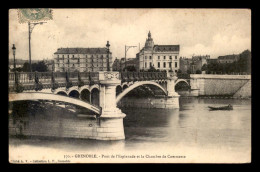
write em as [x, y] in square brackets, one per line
[102, 65]
[164, 57]
[85, 56]
[78, 61]
[159, 64]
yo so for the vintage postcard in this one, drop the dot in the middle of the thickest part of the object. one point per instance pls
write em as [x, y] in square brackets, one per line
[129, 86]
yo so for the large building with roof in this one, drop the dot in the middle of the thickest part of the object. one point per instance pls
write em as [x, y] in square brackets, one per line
[82, 59]
[162, 57]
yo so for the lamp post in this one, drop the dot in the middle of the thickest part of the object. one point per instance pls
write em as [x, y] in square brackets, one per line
[126, 49]
[13, 48]
[108, 66]
[30, 28]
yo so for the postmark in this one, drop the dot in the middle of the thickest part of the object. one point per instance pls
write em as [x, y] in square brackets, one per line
[34, 14]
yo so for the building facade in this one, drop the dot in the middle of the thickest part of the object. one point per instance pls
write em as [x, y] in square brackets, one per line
[120, 64]
[228, 58]
[162, 57]
[82, 59]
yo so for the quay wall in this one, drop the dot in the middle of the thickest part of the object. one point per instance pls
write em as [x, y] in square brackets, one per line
[217, 85]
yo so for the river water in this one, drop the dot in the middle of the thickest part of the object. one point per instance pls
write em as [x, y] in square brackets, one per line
[189, 134]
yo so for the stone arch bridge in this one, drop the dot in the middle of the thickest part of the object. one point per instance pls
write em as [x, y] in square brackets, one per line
[97, 91]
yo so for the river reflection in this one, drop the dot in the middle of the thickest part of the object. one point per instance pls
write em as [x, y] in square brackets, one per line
[191, 128]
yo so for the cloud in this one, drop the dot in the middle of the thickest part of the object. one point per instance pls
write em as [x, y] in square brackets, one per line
[213, 32]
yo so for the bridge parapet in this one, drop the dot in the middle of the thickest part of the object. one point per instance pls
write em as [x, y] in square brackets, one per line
[142, 76]
[53, 80]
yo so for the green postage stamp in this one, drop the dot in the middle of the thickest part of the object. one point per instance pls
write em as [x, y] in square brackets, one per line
[34, 14]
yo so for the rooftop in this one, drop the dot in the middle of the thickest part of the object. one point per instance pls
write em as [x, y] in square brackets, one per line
[81, 51]
[167, 47]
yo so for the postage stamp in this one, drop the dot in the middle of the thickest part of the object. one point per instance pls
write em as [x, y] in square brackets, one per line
[34, 14]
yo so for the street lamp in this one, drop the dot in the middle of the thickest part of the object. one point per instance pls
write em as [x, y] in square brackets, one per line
[108, 66]
[126, 49]
[13, 48]
[30, 28]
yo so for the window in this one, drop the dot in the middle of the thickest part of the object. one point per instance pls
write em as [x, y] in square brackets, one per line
[150, 57]
[72, 56]
[68, 56]
[58, 65]
[175, 71]
[73, 65]
[164, 57]
[170, 64]
[176, 64]
[175, 57]
[158, 64]
[170, 57]
[150, 64]
[58, 56]
[164, 64]
[63, 56]
[158, 57]
[145, 57]
[86, 56]
[145, 65]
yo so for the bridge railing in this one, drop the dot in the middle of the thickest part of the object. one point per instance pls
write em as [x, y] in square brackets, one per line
[28, 80]
[142, 76]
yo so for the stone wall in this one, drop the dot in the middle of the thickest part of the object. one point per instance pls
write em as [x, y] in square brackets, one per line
[245, 91]
[217, 85]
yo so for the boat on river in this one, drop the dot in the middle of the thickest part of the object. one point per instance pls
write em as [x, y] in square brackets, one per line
[229, 107]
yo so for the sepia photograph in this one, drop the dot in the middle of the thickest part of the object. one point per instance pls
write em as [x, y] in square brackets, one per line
[128, 85]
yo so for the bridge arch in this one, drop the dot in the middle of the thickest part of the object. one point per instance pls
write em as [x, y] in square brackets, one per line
[84, 87]
[74, 93]
[53, 97]
[85, 95]
[137, 84]
[182, 80]
[119, 89]
[62, 93]
[125, 86]
[94, 86]
[94, 99]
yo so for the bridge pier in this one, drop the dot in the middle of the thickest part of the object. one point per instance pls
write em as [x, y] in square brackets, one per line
[172, 97]
[111, 120]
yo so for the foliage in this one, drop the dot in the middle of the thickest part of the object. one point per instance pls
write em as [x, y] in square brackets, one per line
[130, 68]
[242, 65]
[198, 71]
[39, 67]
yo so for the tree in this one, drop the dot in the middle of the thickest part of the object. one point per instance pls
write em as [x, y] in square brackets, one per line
[204, 67]
[26, 67]
[41, 67]
[152, 69]
[179, 71]
[130, 68]
[198, 71]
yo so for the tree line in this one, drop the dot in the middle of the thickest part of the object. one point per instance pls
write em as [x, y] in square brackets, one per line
[241, 66]
[39, 67]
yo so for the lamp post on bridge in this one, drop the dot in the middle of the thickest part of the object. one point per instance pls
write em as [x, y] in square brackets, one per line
[108, 65]
[126, 49]
[14, 49]
[30, 28]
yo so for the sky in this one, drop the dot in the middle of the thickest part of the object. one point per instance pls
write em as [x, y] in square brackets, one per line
[213, 32]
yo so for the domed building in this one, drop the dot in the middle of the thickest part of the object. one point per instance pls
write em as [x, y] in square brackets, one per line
[162, 57]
